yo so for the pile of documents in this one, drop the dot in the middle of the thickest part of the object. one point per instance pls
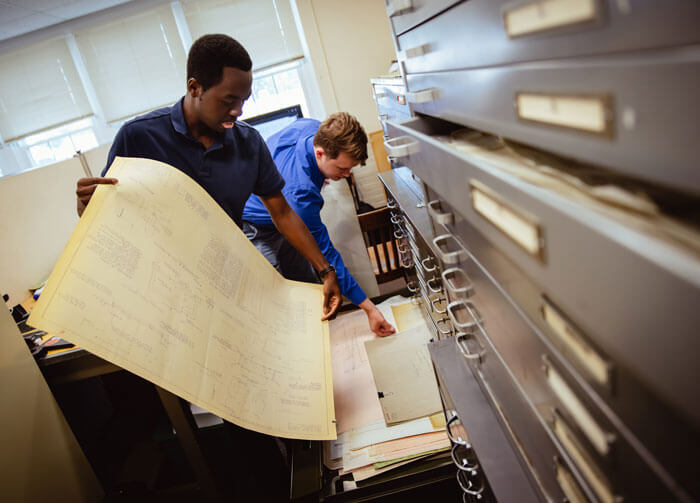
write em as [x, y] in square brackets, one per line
[388, 407]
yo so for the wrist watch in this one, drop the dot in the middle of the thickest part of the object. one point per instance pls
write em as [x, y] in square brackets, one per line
[322, 273]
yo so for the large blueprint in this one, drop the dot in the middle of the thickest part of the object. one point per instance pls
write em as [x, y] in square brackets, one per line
[157, 279]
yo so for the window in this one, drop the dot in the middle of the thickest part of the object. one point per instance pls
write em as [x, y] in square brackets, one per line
[278, 87]
[60, 143]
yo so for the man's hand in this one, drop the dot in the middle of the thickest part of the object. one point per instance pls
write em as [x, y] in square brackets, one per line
[86, 188]
[377, 322]
[331, 295]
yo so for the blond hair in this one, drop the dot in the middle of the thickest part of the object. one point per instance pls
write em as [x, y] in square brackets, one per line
[341, 132]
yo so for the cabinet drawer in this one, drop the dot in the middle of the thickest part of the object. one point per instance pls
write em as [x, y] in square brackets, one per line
[481, 33]
[630, 113]
[597, 269]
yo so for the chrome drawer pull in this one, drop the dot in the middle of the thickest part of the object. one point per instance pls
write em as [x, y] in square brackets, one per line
[458, 439]
[470, 487]
[398, 234]
[474, 315]
[437, 324]
[423, 96]
[457, 283]
[397, 7]
[402, 247]
[383, 117]
[463, 463]
[439, 217]
[425, 265]
[396, 220]
[391, 204]
[435, 301]
[432, 288]
[412, 286]
[401, 146]
[450, 257]
[460, 340]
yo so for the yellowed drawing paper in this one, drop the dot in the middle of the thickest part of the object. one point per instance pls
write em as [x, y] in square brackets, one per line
[159, 280]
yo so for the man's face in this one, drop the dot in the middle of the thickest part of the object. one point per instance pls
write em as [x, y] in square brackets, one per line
[219, 106]
[337, 168]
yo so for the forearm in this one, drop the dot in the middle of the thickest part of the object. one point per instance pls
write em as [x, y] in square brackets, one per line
[292, 227]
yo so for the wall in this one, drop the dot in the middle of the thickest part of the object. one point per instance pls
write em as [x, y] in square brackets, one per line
[347, 44]
[38, 216]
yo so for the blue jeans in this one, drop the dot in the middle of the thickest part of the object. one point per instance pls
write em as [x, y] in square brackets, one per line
[282, 255]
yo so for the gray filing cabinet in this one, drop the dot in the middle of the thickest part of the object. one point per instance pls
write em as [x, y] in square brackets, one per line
[577, 318]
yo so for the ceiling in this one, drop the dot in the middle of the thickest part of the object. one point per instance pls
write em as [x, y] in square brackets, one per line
[18, 17]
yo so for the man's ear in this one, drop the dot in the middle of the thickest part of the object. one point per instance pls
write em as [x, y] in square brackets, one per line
[319, 152]
[194, 88]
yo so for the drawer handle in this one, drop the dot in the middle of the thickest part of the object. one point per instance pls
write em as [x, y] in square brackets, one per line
[379, 95]
[426, 267]
[448, 427]
[474, 315]
[461, 342]
[395, 220]
[383, 117]
[401, 146]
[397, 7]
[412, 52]
[435, 301]
[437, 323]
[391, 204]
[450, 257]
[402, 247]
[457, 283]
[398, 234]
[412, 286]
[432, 288]
[423, 96]
[439, 217]
[464, 463]
[470, 487]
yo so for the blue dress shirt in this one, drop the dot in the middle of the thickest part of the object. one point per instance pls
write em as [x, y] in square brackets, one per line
[293, 152]
[236, 165]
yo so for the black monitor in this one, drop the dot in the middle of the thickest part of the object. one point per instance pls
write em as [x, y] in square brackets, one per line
[271, 122]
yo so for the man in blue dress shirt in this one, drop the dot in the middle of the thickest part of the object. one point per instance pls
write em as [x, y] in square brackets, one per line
[307, 153]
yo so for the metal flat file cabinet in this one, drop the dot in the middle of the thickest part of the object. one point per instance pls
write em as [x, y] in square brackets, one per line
[554, 239]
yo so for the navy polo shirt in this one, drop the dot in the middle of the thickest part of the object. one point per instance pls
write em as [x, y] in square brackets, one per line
[237, 164]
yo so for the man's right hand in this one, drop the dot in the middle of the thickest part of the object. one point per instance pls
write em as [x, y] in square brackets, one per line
[86, 187]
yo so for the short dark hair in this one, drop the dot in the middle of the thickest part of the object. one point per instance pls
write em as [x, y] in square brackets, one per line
[210, 54]
[341, 132]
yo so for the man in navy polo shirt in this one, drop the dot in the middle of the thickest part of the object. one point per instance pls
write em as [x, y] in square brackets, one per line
[307, 153]
[200, 137]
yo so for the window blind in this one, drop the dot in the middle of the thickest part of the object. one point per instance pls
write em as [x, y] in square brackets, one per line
[136, 63]
[265, 27]
[39, 88]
